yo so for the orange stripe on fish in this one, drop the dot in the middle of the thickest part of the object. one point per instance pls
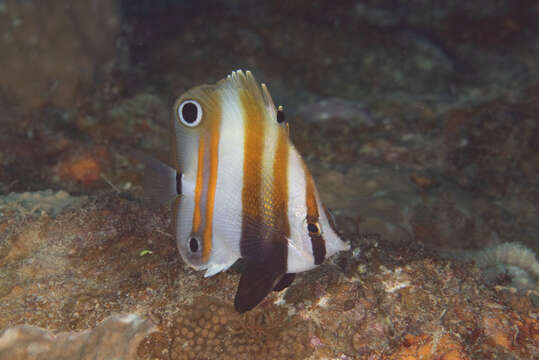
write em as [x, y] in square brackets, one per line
[280, 183]
[310, 197]
[252, 158]
[212, 184]
[197, 216]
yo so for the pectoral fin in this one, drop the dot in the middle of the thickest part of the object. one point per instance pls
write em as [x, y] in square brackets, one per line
[162, 183]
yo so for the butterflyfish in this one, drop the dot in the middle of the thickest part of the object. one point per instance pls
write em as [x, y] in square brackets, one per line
[240, 189]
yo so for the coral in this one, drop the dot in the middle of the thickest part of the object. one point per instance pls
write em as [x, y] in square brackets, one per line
[117, 337]
[211, 329]
[426, 347]
[71, 272]
[84, 166]
[52, 50]
[199, 332]
[510, 264]
[85, 169]
[46, 201]
[512, 259]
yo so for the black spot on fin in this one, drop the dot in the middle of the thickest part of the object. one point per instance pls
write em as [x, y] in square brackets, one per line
[285, 282]
[255, 283]
[280, 114]
[281, 119]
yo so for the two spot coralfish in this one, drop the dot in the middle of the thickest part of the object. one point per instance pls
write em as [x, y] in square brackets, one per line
[241, 189]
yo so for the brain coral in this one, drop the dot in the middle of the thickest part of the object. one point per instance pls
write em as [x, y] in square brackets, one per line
[209, 329]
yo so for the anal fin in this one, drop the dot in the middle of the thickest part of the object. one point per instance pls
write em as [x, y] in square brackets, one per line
[285, 282]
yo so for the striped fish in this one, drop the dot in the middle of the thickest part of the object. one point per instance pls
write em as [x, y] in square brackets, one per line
[241, 189]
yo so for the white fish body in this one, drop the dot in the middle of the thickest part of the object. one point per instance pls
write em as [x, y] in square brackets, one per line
[242, 190]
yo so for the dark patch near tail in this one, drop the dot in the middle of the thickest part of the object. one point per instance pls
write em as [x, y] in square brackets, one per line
[265, 251]
[256, 282]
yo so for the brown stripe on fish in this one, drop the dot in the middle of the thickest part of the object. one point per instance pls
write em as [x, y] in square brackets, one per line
[251, 195]
[317, 241]
[212, 184]
[263, 243]
[280, 183]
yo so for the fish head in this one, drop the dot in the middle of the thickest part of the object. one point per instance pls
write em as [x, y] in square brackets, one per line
[194, 116]
[195, 128]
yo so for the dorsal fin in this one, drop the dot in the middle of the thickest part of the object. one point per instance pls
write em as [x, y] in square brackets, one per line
[268, 101]
[259, 93]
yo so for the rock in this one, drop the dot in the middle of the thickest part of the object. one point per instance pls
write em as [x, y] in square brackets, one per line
[117, 337]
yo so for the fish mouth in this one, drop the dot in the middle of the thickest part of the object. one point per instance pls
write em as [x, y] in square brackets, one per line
[195, 266]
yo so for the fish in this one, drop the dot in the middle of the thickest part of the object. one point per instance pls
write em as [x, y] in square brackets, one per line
[240, 189]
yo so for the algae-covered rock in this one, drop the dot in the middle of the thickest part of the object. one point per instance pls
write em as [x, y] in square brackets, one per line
[45, 201]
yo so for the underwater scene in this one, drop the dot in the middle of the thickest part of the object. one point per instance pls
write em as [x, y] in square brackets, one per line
[234, 179]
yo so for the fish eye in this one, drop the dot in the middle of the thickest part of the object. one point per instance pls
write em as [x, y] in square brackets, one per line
[313, 228]
[190, 113]
[193, 245]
